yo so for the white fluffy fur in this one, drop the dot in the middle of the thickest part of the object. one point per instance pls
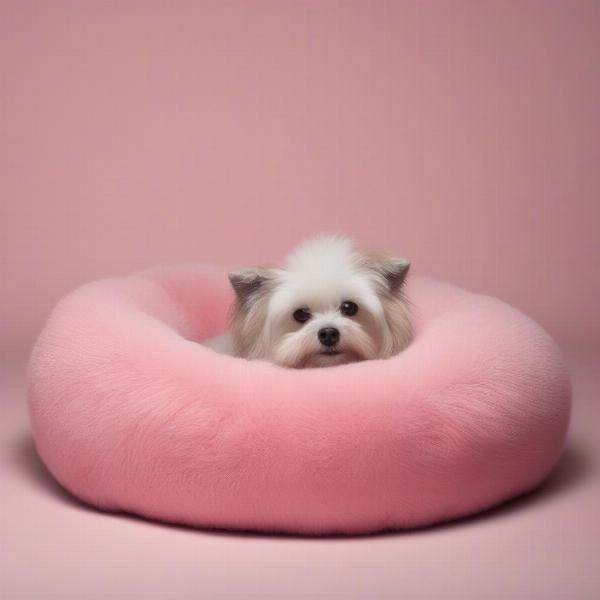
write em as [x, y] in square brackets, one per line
[319, 275]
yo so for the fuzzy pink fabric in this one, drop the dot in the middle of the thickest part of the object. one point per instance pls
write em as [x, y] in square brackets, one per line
[131, 414]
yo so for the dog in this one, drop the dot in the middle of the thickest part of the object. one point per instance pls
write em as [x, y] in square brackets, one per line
[328, 305]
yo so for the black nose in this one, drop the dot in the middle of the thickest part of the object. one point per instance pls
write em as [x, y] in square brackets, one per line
[329, 336]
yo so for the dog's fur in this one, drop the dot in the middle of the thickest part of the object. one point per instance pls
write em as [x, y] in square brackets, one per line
[319, 275]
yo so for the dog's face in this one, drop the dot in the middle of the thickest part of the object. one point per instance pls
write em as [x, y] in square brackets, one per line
[328, 306]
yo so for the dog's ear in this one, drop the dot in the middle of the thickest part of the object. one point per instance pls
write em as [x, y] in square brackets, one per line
[249, 281]
[393, 270]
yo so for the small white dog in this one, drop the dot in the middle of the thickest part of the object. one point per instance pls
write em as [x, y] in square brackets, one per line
[328, 306]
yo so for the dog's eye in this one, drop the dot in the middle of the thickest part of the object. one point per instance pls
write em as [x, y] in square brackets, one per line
[349, 308]
[302, 315]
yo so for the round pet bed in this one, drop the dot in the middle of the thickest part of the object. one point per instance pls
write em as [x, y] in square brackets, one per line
[130, 413]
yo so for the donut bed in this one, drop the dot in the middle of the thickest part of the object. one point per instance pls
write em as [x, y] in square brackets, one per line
[131, 413]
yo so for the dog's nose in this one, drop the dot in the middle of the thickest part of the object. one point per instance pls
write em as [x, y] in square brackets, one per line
[329, 336]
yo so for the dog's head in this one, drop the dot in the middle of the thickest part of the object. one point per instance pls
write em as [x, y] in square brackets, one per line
[328, 306]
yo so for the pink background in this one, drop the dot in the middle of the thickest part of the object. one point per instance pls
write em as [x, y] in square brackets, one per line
[464, 135]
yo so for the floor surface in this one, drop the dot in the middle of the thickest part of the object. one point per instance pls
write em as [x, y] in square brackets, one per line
[544, 545]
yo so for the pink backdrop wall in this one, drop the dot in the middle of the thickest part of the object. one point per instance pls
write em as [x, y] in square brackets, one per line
[465, 135]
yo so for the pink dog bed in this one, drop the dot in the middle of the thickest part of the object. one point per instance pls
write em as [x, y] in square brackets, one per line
[130, 413]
